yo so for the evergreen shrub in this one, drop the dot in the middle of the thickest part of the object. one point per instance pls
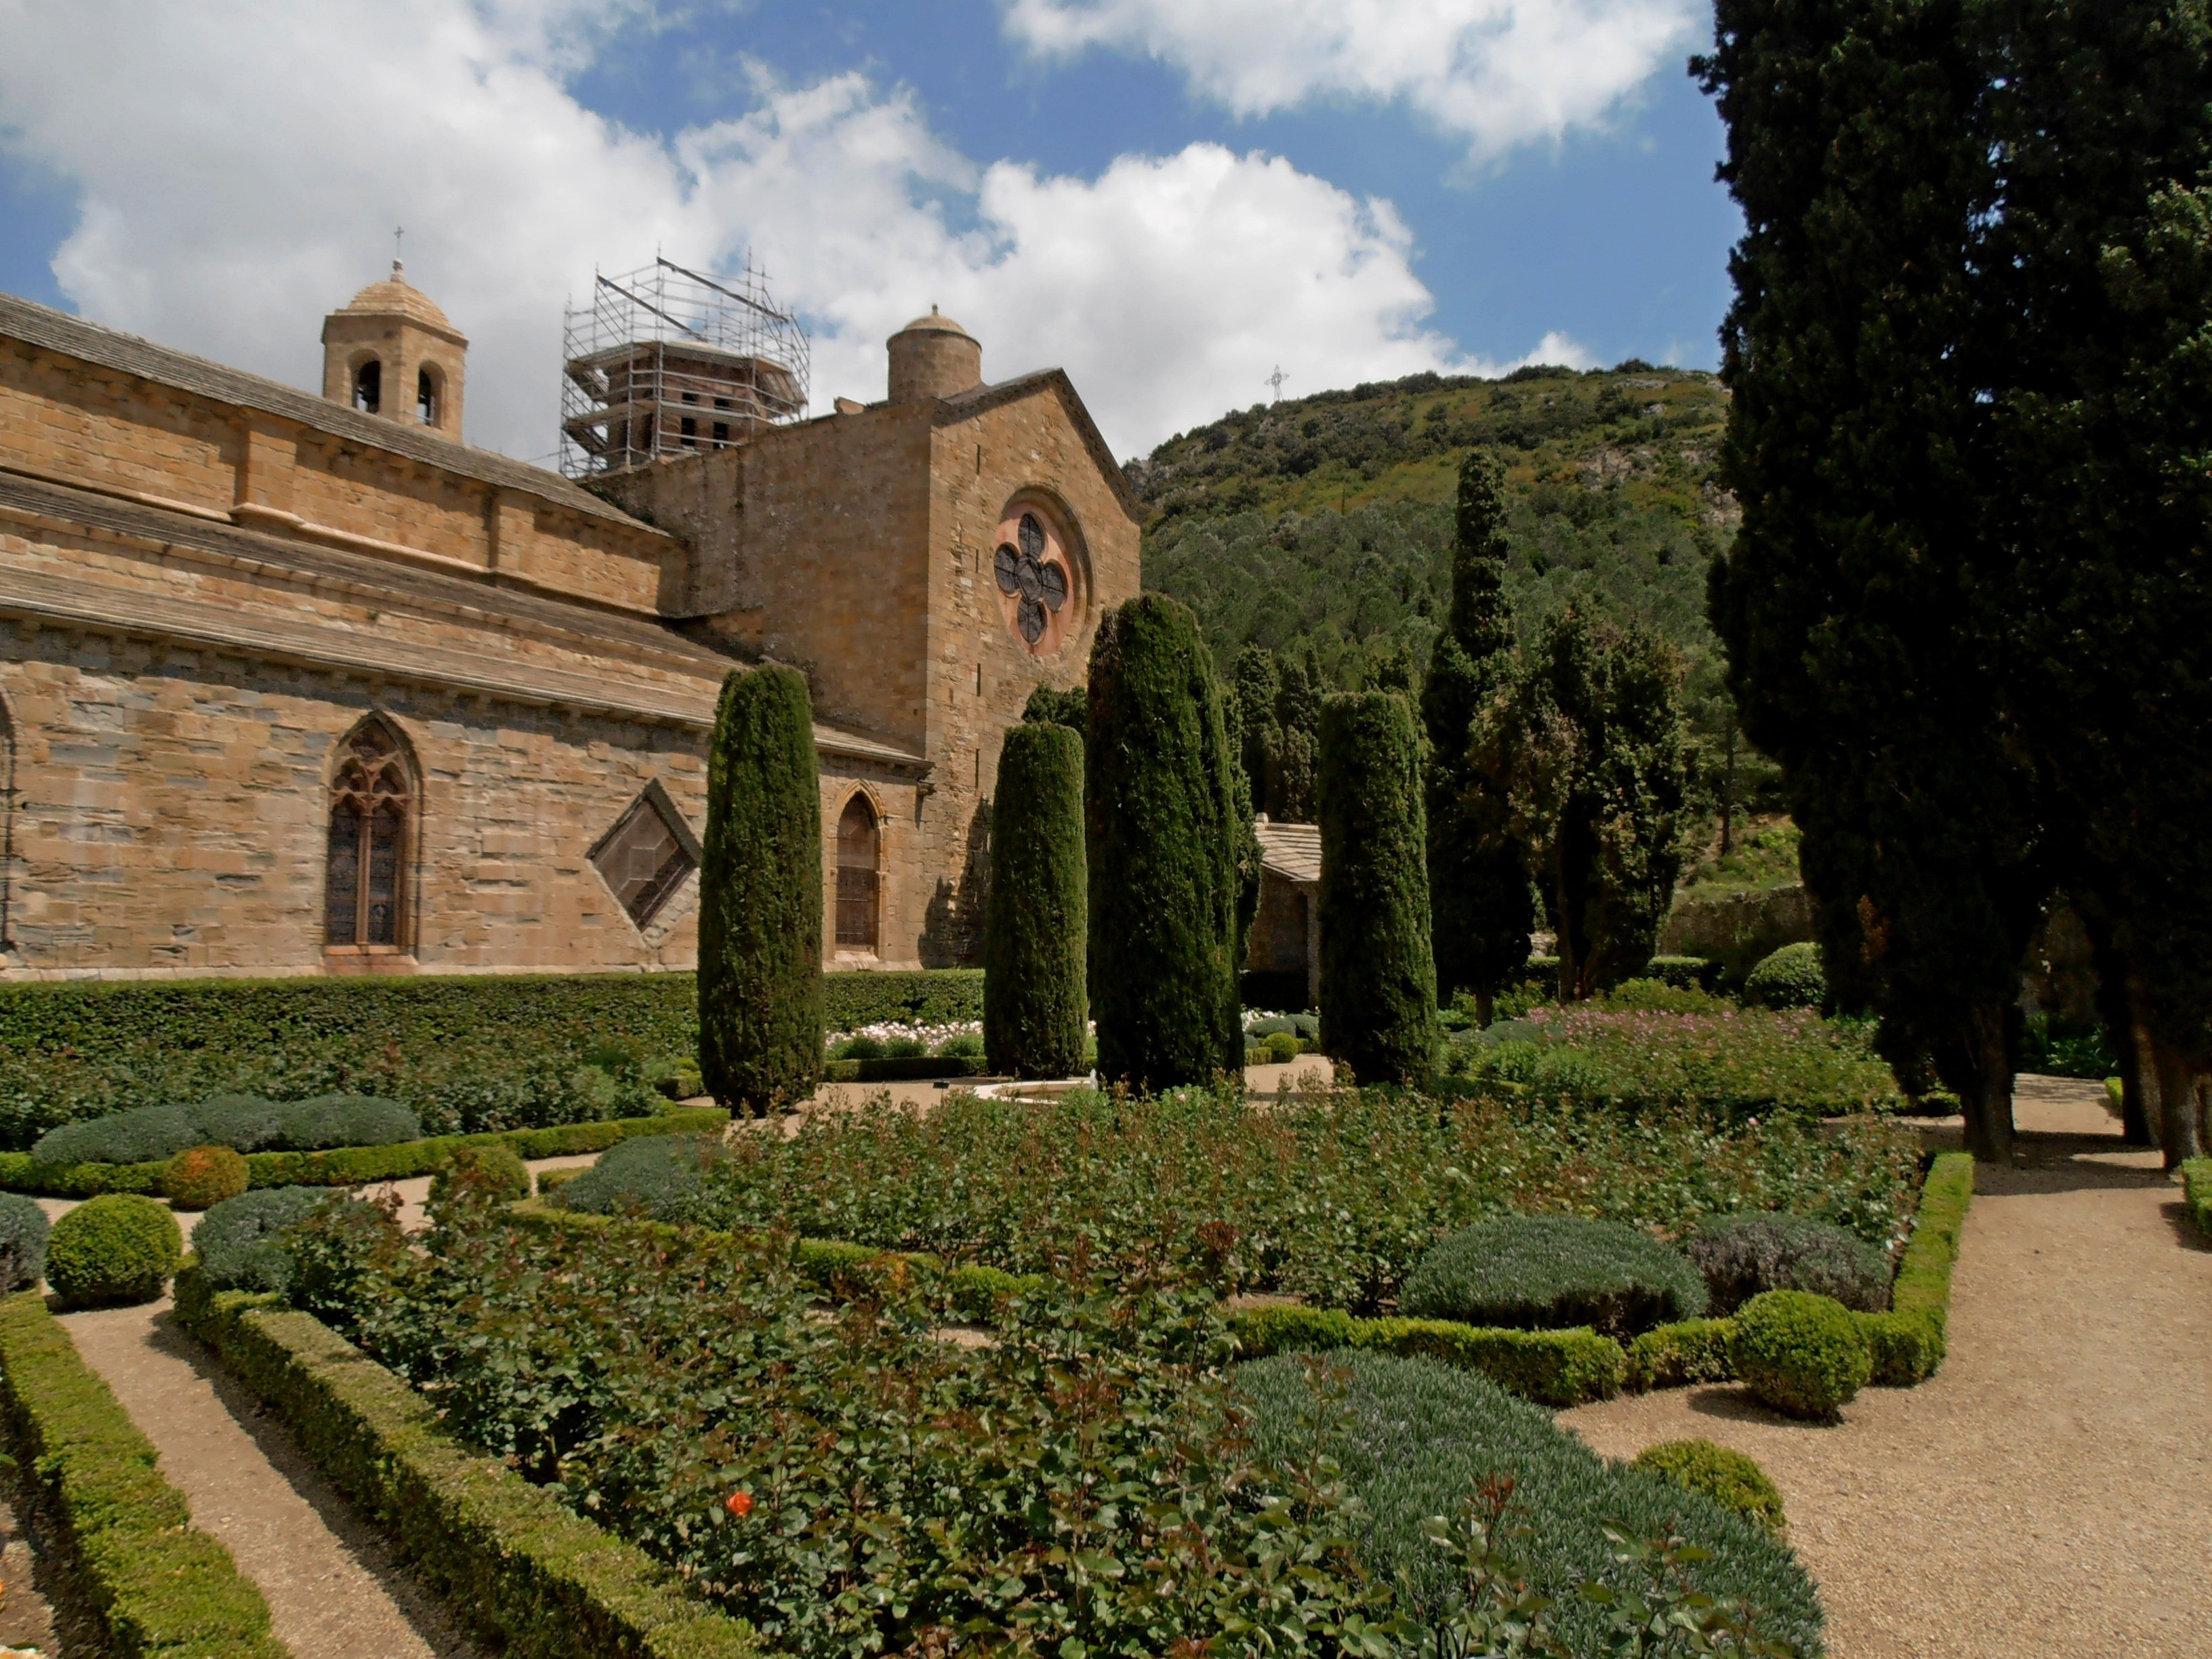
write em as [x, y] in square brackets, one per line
[23, 1232]
[1741, 1255]
[119, 1247]
[760, 897]
[1688, 1351]
[494, 1170]
[1379, 980]
[1413, 1439]
[1802, 1354]
[1036, 927]
[1729, 1477]
[1162, 836]
[662, 1177]
[1790, 978]
[201, 1177]
[238, 1241]
[244, 1123]
[1550, 1272]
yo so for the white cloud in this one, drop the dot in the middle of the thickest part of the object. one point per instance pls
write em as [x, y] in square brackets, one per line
[241, 166]
[1499, 73]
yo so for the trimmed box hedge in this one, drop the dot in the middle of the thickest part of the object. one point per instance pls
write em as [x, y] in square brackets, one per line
[2197, 1193]
[154, 1584]
[514, 1562]
[1552, 1368]
[916, 1069]
[353, 1166]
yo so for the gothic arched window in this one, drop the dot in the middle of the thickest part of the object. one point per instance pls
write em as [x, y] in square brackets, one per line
[7, 824]
[857, 880]
[372, 813]
[368, 387]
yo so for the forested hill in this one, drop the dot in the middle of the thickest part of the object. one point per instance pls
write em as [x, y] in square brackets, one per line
[1322, 526]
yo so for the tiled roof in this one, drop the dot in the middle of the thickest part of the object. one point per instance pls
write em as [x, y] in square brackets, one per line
[56, 331]
[1291, 850]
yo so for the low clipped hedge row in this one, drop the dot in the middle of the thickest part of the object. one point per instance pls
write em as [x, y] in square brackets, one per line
[153, 1583]
[1552, 1368]
[909, 1069]
[352, 1166]
[2197, 1193]
[515, 1564]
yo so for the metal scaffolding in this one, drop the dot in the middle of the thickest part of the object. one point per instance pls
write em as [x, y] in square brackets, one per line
[666, 362]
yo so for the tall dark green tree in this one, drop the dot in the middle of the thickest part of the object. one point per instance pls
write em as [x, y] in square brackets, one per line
[760, 897]
[1587, 741]
[1161, 813]
[1480, 905]
[2097, 339]
[1053, 706]
[1291, 798]
[1034, 932]
[1255, 685]
[1378, 984]
[1857, 606]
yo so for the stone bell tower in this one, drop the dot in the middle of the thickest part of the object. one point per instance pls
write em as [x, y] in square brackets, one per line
[390, 352]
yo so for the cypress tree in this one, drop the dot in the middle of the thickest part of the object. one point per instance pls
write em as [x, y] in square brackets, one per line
[1858, 607]
[760, 897]
[1255, 687]
[1036, 929]
[1162, 838]
[1298, 724]
[1588, 743]
[1378, 984]
[1480, 910]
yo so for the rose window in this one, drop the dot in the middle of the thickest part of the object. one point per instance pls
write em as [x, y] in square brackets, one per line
[1030, 576]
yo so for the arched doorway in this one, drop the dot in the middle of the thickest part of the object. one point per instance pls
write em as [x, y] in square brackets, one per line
[373, 816]
[858, 882]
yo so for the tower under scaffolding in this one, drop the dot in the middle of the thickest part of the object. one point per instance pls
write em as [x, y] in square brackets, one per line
[666, 362]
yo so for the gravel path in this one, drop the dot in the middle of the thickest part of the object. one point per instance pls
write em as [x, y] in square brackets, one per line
[2049, 1492]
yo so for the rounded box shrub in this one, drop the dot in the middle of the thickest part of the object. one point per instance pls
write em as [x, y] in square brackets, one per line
[494, 1169]
[23, 1232]
[117, 1248]
[1551, 1272]
[1802, 1354]
[1729, 1477]
[201, 1177]
[237, 1240]
[1790, 978]
[1742, 1256]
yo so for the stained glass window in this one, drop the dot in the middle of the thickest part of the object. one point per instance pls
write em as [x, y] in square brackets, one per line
[365, 865]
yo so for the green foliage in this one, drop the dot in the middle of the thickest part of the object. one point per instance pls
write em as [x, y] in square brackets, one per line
[1481, 905]
[203, 1176]
[1735, 1063]
[1742, 1255]
[1802, 1354]
[148, 1581]
[465, 1054]
[518, 1568]
[1764, 857]
[760, 897]
[1554, 1271]
[1729, 1477]
[117, 1248]
[238, 1243]
[1905, 1348]
[1163, 834]
[1557, 1368]
[1378, 984]
[1332, 1198]
[2196, 1191]
[23, 1233]
[2048, 1047]
[1413, 1439]
[1081, 1482]
[494, 1171]
[1051, 706]
[1036, 927]
[1689, 1351]
[1789, 978]
[1587, 748]
[663, 1176]
[1922, 1286]
[244, 1123]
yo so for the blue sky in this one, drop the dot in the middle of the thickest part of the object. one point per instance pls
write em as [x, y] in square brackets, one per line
[1166, 198]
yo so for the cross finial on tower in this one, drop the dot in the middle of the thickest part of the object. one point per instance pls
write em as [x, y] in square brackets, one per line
[398, 231]
[1276, 380]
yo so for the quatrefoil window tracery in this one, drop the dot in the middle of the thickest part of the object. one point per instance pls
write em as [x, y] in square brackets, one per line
[1037, 583]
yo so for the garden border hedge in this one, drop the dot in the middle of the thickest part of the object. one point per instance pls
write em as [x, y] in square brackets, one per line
[154, 1584]
[2197, 1193]
[920, 1068]
[353, 1166]
[1551, 1368]
[511, 1559]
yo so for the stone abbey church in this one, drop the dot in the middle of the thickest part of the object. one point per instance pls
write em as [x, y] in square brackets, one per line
[294, 684]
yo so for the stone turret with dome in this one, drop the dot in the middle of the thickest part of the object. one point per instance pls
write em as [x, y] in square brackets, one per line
[934, 356]
[390, 351]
